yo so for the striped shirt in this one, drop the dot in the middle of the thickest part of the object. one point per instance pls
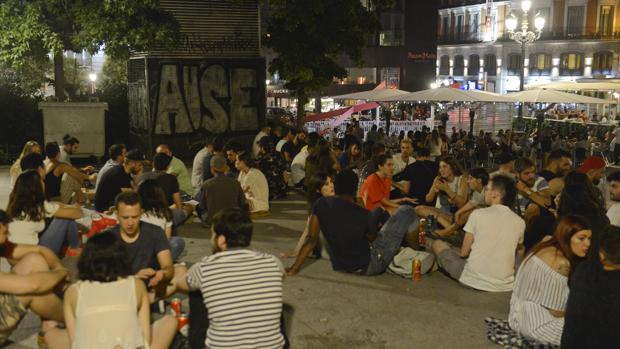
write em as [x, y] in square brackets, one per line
[537, 289]
[242, 290]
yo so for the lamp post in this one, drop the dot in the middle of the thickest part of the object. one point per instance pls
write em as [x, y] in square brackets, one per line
[524, 37]
[92, 77]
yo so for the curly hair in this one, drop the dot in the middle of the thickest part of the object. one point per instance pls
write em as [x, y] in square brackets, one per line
[104, 259]
[154, 199]
[27, 198]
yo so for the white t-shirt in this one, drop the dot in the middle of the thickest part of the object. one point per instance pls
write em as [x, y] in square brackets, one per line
[298, 166]
[161, 222]
[255, 146]
[497, 232]
[614, 214]
[26, 231]
[280, 144]
[399, 164]
[197, 167]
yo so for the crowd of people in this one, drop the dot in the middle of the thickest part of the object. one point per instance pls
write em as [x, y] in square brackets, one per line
[509, 212]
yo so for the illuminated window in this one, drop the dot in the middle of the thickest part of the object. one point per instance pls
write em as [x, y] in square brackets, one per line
[571, 64]
[602, 62]
[540, 64]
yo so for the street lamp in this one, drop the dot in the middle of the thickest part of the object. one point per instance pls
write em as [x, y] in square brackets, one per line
[524, 36]
[92, 77]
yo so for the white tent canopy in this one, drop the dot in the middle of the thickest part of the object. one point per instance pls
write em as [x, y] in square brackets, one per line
[372, 94]
[577, 86]
[448, 94]
[552, 96]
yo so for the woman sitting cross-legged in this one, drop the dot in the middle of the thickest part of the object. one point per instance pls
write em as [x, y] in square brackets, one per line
[157, 212]
[541, 287]
[108, 308]
[29, 213]
[254, 184]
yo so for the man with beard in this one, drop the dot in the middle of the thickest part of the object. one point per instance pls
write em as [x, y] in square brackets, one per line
[594, 168]
[614, 194]
[532, 202]
[558, 165]
[118, 179]
[241, 288]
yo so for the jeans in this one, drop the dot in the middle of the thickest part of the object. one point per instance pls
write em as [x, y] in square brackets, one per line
[177, 245]
[389, 238]
[59, 233]
[179, 216]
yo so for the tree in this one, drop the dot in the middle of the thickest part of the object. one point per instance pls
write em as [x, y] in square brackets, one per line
[310, 36]
[32, 29]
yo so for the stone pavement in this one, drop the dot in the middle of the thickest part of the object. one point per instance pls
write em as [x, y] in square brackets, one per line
[336, 310]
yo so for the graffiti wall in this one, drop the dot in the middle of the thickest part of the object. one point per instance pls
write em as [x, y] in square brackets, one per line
[199, 96]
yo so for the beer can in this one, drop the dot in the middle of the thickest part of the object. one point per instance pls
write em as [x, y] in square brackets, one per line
[176, 306]
[422, 239]
[417, 270]
[183, 324]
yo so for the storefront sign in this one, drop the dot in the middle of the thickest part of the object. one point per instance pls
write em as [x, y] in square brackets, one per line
[422, 56]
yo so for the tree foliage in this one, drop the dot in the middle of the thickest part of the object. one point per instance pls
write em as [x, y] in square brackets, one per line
[32, 29]
[309, 36]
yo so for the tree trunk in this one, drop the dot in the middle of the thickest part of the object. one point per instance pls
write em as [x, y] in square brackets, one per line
[59, 76]
[301, 112]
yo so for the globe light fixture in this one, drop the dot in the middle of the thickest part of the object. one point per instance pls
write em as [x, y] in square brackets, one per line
[92, 77]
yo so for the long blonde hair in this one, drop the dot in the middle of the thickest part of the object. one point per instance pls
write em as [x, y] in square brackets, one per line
[16, 168]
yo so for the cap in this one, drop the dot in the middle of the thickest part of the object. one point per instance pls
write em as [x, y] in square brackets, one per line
[504, 158]
[592, 163]
[135, 155]
[218, 163]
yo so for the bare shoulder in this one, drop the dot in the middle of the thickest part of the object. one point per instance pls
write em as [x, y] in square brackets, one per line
[554, 259]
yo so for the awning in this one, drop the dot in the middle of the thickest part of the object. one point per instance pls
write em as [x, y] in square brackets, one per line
[342, 112]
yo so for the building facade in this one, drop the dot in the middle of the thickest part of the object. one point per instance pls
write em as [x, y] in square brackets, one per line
[581, 39]
[400, 55]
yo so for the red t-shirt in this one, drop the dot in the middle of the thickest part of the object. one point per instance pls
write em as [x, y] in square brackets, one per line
[374, 190]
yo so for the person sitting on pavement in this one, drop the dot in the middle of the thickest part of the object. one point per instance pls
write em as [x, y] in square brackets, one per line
[284, 135]
[559, 164]
[533, 202]
[265, 131]
[506, 162]
[30, 285]
[369, 166]
[220, 192]
[352, 158]
[541, 287]
[157, 212]
[150, 257]
[198, 164]
[320, 185]
[613, 213]
[321, 160]
[177, 168]
[476, 181]
[272, 165]
[218, 149]
[375, 191]
[233, 149]
[118, 179]
[486, 260]
[114, 308]
[54, 171]
[298, 166]
[71, 188]
[15, 170]
[591, 319]
[254, 185]
[450, 192]
[348, 228]
[405, 157]
[117, 153]
[28, 210]
[241, 288]
[418, 177]
[170, 185]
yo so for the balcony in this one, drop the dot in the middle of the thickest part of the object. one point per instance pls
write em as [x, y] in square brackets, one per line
[459, 38]
[571, 34]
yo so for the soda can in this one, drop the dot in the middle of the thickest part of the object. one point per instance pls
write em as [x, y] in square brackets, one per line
[416, 270]
[422, 239]
[176, 306]
[183, 324]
